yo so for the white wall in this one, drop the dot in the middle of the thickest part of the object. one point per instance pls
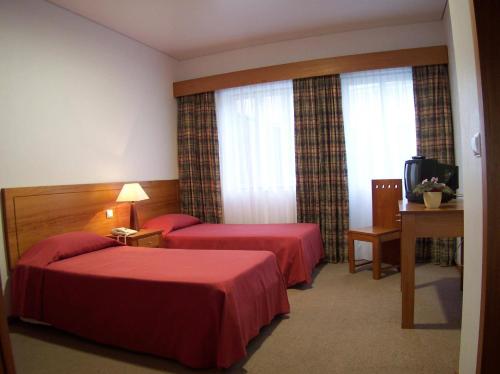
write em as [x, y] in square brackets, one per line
[80, 103]
[464, 76]
[330, 45]
[457, 133]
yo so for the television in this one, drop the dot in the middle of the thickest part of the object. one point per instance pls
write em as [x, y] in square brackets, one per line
[419, 168]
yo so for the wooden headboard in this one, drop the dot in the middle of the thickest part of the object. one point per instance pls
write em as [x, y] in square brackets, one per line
[31, 214]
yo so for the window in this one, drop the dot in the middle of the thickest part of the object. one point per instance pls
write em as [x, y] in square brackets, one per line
[257, 153]
[379, 125]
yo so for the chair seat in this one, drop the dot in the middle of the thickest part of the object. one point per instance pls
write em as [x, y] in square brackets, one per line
[375, 230]
[385, 232]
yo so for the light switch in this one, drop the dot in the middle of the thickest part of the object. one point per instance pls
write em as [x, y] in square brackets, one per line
[475, 144]
[109, 213]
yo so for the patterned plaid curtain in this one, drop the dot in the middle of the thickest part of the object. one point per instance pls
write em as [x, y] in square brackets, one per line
[434, 140]
[198, 152]
[320, 157]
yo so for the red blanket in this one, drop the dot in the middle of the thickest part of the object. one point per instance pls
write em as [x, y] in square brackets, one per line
[199, 307]
[298, 246]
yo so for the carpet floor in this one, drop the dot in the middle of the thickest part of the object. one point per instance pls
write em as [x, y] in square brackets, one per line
[344, 323]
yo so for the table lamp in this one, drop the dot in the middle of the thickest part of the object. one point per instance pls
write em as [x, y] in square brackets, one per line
[132, 192]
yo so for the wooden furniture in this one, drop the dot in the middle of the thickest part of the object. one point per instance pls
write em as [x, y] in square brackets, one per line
[488, 54]
[31, 214]
[312, 68]
[7, 359]
[143, 238]
[419, 222]
[385, 232]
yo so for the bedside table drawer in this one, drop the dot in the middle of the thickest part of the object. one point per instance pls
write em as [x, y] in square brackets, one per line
[150, 241]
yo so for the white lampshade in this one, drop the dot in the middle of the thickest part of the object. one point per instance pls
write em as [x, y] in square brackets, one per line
[132, 192]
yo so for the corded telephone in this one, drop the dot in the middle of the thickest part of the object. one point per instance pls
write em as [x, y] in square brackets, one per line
[123, 231]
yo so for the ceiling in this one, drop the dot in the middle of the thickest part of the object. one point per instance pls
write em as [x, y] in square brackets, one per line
[186, 29]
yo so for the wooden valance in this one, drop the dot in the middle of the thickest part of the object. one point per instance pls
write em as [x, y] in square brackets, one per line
[313, 68]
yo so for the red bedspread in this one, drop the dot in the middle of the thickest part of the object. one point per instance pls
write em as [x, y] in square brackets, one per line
[198, 307]
[297, 246]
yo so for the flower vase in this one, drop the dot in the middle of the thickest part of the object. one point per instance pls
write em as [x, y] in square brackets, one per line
[432, 200]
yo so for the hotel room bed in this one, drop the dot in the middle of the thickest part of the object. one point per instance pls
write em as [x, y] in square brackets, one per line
[199, 307]
[297, 246]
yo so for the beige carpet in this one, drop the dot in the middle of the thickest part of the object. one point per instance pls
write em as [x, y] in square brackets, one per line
[344, 324]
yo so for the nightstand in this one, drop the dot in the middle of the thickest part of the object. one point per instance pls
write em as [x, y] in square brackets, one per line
[143, 238]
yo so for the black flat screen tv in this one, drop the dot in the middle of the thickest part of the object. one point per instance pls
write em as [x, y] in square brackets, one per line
[419, 168]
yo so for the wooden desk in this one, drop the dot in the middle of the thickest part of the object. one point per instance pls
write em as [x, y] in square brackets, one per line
[419, 222]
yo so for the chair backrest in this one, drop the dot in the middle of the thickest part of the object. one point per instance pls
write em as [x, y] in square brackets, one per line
[385, 196]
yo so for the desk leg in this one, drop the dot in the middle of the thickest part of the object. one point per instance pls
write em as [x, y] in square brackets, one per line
[350, 253]
[408, 269]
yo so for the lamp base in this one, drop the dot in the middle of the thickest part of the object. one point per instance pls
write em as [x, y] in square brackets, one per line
[134, 220]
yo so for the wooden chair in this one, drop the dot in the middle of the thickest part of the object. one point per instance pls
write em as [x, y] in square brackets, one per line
[386, 230]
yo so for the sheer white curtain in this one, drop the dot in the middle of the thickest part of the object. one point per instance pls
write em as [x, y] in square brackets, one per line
[257, 153]
[379, 123]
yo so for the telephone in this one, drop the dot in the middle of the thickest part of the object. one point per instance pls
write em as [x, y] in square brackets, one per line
[123, 231]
